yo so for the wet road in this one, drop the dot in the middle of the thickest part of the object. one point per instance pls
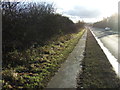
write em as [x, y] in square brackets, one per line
[109, 40]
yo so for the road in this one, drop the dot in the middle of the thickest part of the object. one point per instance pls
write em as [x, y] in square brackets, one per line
[109, 40]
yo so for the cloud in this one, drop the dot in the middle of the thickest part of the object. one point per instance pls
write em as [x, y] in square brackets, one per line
[83, 12]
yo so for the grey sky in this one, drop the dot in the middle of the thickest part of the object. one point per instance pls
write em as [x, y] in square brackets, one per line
[83, 12]
[87, 10]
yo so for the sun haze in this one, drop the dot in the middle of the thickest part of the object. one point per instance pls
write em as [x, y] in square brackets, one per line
[87, 10]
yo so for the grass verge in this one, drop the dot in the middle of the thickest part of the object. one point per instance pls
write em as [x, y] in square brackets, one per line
[34, 67]
[97, 72]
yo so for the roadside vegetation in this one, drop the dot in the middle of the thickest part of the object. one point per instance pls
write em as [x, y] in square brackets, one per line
[97, 72]
[111, 22]
[36, 41]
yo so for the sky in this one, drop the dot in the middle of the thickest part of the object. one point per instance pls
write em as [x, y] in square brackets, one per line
[86, 10]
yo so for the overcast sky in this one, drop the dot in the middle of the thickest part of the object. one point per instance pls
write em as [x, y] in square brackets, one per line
[87, 10]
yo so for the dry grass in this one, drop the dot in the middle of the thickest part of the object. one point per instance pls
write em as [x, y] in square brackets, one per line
[97, 72]
[34, 67]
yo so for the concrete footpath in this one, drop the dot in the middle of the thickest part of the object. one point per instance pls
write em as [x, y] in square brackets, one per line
[66, 77]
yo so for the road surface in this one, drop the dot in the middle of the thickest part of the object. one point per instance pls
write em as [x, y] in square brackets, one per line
[109, 40]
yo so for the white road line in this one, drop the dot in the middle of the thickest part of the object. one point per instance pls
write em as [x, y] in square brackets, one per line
[114, 62]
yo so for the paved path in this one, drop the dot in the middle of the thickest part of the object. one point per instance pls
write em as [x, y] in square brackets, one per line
[67, 74]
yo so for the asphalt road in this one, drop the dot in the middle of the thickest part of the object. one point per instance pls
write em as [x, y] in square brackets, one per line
[109, 40]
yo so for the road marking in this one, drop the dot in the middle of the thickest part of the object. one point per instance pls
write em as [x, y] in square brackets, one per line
[114, 62]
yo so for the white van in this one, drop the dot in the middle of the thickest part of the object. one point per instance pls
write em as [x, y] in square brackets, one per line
[107, 28]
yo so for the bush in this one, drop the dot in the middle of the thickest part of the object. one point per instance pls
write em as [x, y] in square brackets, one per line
[25, 25]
